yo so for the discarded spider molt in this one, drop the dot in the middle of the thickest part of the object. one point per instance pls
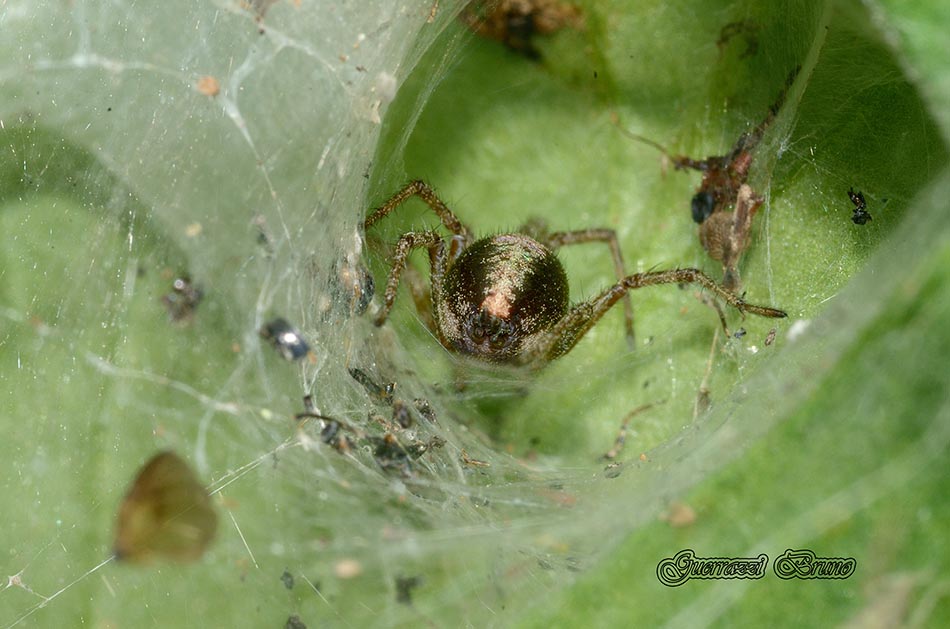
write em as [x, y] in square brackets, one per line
[504, 298]
[183, 299]
[515, 22]
[166, 514]
[286, 339]
[860, 216]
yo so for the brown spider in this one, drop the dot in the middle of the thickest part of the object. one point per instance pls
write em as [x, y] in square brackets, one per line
[504, 298]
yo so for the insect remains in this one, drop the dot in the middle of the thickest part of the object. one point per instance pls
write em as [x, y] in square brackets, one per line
[504, 298]
[724, 234]
[515, 23]
[860, 216]
[286, 339]
[183, 299]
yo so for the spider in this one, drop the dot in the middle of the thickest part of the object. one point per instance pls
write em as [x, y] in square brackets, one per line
[504, 298]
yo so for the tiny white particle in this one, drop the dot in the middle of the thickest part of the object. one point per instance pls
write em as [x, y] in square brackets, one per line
[797, 329]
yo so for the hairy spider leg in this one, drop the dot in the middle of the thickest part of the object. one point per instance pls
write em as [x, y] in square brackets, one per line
[574, 325]
[422, 190]
[438, 257]
[406, 244]
[608, 236]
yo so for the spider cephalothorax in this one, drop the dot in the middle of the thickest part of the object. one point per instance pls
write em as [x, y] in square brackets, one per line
[504, 298]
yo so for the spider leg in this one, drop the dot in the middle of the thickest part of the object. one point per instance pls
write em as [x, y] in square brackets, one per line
[406, 244]
[574, 325]
[609, 237]
[423, 191]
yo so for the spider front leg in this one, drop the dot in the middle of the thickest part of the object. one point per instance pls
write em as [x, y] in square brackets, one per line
[422, 190]
[404, 246]
[609, 237]
[565, 334]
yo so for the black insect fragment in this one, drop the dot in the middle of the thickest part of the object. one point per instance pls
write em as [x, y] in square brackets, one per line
[404, 588]
[287, 579]
[382, 393]
[286, 339]
[860, 216]
[294, 622]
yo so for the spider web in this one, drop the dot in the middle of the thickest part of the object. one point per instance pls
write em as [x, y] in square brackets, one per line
[237, 143]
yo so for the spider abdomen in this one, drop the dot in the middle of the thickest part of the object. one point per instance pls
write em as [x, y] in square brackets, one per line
[498, 293]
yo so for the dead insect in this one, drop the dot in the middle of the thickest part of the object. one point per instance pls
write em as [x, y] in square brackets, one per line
[770, 337]
[425, 410]
[860, 216]
[739, 333]
[515, 22]
[401, 414]
[166, 514]
[469, 461]
[286, 339]
[394, 457]
[723, 234]
[355, 284]
[383, 394]
[183, 299]
[504, 298]
[391, 456]
[332, 431]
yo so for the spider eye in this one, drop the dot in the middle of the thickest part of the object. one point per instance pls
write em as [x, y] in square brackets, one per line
[702, 206]
[487, 327]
